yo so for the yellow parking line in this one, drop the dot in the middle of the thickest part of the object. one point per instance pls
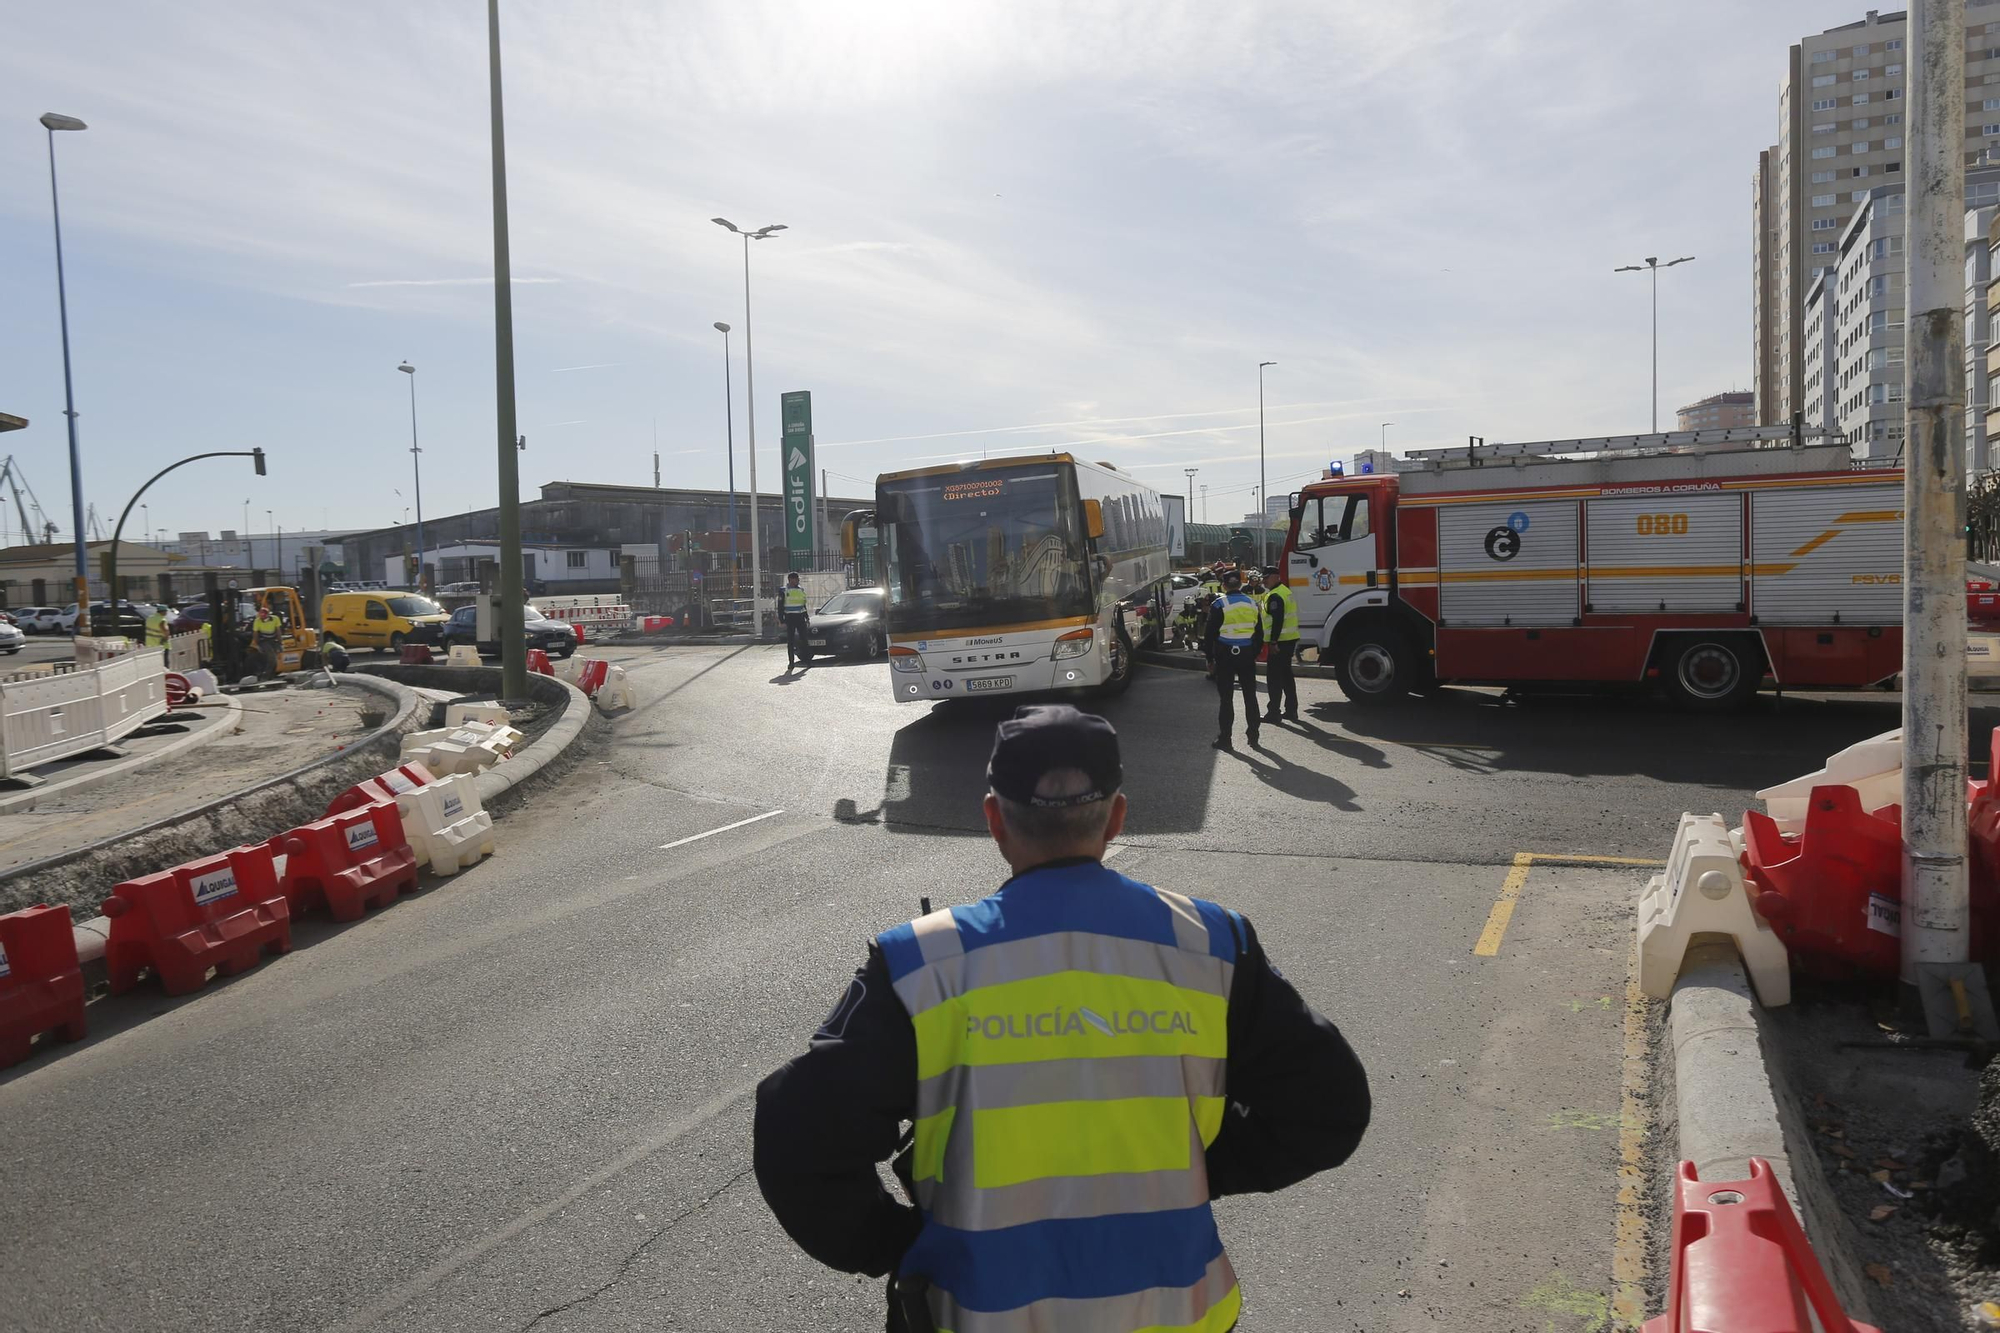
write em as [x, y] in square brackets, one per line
[1517, 877]
[1503, 907]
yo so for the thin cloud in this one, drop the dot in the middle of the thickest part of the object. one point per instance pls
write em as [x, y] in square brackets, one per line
[1067, 425]
[595, 365]
[450, 282]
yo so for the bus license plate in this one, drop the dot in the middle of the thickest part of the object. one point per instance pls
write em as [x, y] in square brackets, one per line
[989, 683]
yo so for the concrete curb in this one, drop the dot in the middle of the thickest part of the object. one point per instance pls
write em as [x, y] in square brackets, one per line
[1185, 661]
[71, 877]
[214, 731]
[1732, 1103]
[547, 748]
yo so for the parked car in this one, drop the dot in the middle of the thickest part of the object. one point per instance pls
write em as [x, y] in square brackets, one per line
[554, 637]
[11, 639]
[379, 620]
[39, 619]
[849, 624]
[131, 620]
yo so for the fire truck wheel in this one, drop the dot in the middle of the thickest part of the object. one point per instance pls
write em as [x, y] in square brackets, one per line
[1373, 666]
[1712, 674]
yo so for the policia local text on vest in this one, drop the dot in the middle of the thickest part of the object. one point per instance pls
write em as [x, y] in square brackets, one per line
[1087, 1062]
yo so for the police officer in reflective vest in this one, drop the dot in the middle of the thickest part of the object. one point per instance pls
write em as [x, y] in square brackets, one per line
[1059, 1047]
[792, 607]
[1281, 634]
[1235, 633]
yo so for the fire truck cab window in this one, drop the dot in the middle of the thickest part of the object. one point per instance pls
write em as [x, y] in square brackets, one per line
[1331, 520]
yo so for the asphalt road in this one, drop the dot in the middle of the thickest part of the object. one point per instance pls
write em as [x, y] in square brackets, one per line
[522, 1099]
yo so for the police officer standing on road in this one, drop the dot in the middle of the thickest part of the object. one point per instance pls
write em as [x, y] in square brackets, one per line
[1056, 1046]
[1281, 635]
[1235, 633]
[792, 606]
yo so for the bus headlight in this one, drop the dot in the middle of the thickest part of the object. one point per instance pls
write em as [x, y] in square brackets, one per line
[905, 659]
[1075, 644]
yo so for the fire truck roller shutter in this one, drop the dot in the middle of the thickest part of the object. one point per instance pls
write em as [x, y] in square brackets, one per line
[1665, 553]
[1508, 562]
[1821, 553]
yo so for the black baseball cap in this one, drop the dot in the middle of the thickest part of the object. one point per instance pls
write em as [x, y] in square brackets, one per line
[1041, 738]
[1231, 576]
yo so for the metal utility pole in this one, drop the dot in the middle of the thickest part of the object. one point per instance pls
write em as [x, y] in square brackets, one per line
[750, 408]
[1190, 476]
[1385, 435]
[1263, 524]
[416, 469]
[513, 645]
[52, 121]
[1204, 502]
[1653, 266]
[1936, 917]
[729, 442]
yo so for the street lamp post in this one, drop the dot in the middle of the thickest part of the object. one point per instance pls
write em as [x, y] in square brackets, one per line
[1190, 476]
[513, 623]
[750, 411]
[1204, 502]
[416, 469]
[1385, 435]
[1263, 525]
[729, 439]
[52, 121]
[1653, 266]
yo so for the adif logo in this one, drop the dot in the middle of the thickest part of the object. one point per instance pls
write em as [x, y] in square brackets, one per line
[797, 479]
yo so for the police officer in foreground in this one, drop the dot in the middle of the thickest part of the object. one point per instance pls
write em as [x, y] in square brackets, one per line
[1056, 1045]
[1281, 635]
[792, 608]
[1234, 635]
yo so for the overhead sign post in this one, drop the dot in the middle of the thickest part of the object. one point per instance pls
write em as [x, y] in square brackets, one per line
[796, 443]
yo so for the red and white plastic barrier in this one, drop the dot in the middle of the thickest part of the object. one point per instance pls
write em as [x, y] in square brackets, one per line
[220, 912]
[41, 982]
[350, 861]
[1741, 1263]
[382, 787]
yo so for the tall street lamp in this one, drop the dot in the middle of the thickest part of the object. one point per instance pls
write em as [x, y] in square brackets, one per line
[51, 121]
[513, 621]
[1190, 476]
[416, 468]
[1263, 521]
[729, 439]
[1385, 435]
[750, 409]
[1653, 266]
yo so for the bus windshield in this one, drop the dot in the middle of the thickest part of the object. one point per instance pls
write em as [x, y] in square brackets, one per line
[986, 548]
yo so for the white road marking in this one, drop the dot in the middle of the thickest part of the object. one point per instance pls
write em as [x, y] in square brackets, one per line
[682, 842]
[1113, 850]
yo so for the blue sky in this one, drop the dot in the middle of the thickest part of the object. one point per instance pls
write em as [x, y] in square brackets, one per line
[1090, 217]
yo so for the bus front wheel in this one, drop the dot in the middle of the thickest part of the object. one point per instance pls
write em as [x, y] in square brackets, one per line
[1123, 660]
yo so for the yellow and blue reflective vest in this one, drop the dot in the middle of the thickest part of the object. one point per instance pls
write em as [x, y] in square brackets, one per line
[1072, 1036]
[1240, 614]
[795, 599]
[1281, 594]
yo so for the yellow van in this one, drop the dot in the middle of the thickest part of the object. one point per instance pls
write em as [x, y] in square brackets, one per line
[379, 620]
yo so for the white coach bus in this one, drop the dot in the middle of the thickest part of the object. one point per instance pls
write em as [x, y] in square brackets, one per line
[1016, 575]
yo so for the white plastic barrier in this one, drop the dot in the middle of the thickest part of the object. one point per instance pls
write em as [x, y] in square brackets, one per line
[1874, 768]
[470, 748]
[446, 825]
[462, 655]
[616, 692]
[1702, 892]
[1982, 655]
[52, 717]
[186, 652]
[458, 714]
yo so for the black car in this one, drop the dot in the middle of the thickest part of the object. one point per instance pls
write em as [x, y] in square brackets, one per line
[554, 637]
[850, 625]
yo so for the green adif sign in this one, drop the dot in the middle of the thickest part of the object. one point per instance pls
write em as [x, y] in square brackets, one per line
[796, 410]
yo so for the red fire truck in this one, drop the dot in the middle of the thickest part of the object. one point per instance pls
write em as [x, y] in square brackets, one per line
[1704, 561]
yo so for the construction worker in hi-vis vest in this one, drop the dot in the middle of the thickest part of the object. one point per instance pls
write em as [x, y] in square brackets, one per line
[1086, 1062]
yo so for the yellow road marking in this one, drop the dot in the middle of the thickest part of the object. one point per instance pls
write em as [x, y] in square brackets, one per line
[1628, 1251]
[1503, 907]
[1510, 891]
